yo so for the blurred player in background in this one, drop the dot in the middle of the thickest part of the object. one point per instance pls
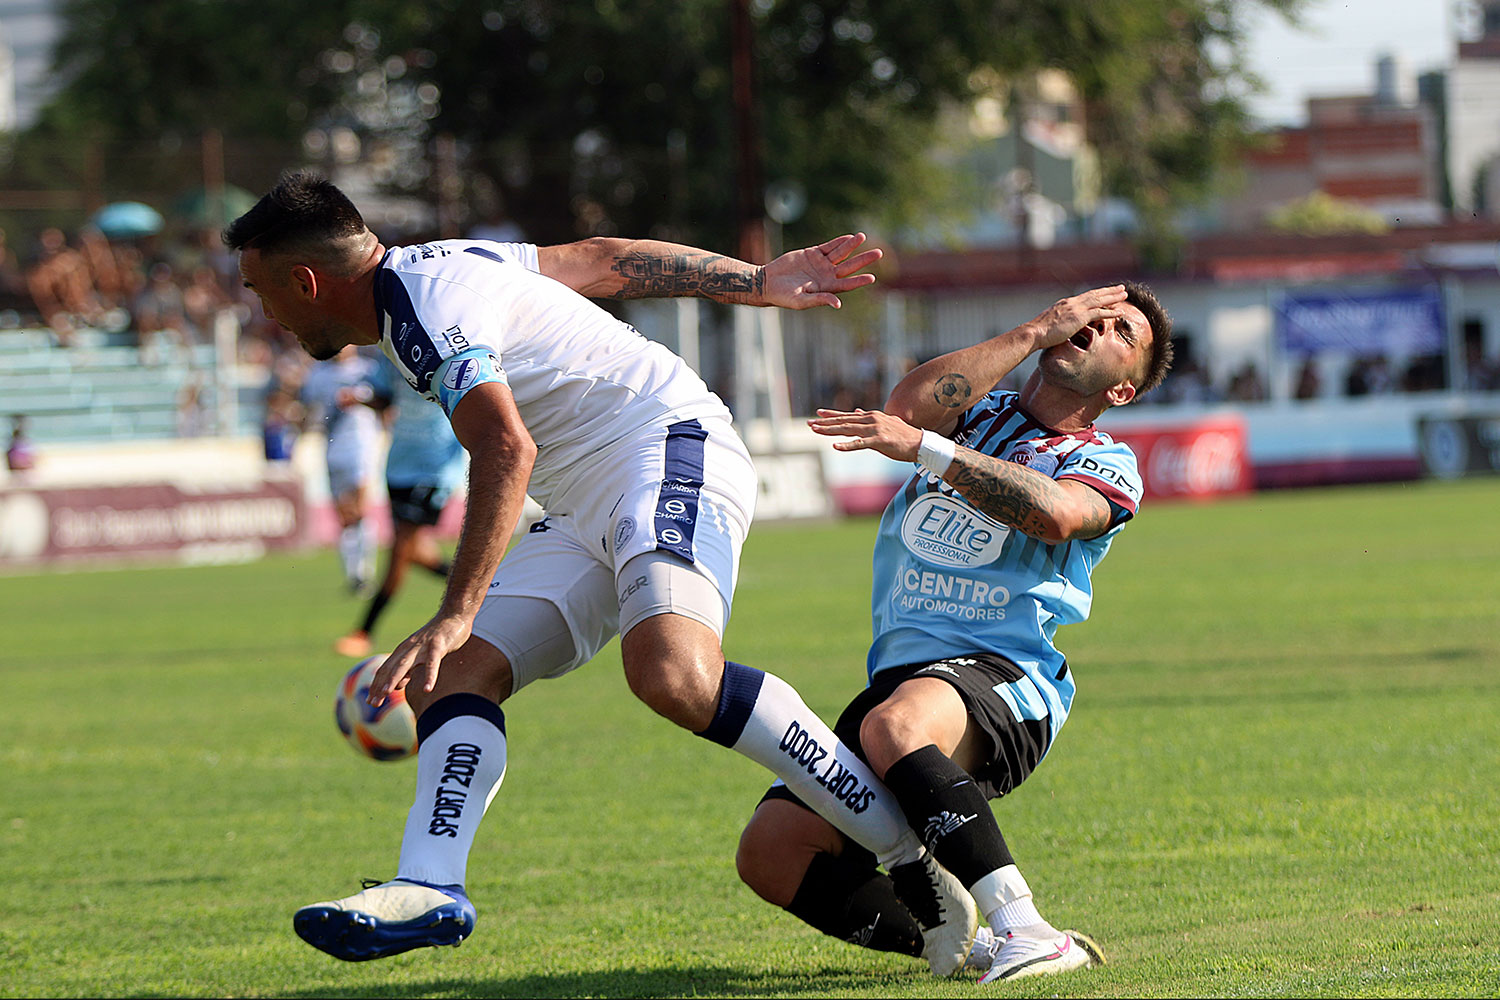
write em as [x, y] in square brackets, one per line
[980, 556]
[648, 491]
[335, 391]
[423, 468]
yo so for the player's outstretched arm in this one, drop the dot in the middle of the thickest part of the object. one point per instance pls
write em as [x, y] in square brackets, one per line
[1037, 505]
[635, 269]
[935, 394]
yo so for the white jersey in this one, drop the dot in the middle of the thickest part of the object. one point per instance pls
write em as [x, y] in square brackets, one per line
[353, 431]
[457, 313]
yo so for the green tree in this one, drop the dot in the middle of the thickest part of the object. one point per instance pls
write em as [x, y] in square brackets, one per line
[614, 115]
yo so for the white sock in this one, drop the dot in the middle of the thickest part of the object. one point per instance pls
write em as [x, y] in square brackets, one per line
[365, 539]
[762, 716]
[349, 550]
[460, 764]
[1005, 899]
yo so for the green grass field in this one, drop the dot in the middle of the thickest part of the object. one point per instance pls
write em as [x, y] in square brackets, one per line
[1279, 778]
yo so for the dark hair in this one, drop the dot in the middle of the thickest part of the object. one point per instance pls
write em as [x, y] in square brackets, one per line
[1159, 358]
[304, 213]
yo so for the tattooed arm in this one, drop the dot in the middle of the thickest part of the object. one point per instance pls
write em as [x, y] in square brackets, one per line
[934, 395]
[635, 269]
[1054, 510]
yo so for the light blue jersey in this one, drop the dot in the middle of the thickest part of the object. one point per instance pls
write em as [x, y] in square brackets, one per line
[950, 581]
[423, 450]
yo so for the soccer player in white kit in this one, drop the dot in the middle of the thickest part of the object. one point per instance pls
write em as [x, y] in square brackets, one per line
[648, 491]
[333, 393]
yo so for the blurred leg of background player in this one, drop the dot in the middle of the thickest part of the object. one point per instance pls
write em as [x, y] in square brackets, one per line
[356, 541]
[414, 512]
[944, 742]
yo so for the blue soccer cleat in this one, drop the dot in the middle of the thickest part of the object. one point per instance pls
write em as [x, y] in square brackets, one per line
[387, 919]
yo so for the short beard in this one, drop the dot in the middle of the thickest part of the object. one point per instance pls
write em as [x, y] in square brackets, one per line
[322, 353]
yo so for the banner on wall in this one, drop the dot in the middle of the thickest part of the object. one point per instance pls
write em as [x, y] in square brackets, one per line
[1398, 322]
[148, 522]
[1452, 447]
[1191, 460]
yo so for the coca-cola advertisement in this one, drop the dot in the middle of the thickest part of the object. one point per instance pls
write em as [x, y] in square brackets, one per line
[1205, 458]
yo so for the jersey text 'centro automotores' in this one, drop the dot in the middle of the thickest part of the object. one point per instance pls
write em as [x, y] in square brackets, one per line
[950, 580]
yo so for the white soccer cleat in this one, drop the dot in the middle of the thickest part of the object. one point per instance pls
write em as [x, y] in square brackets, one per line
[387, 919]
[943, 909]
[982, 952]
[1027, 956]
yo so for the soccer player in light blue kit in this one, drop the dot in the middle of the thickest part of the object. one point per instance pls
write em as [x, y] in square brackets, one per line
[424, 467]
[648, 491]
[982, 554]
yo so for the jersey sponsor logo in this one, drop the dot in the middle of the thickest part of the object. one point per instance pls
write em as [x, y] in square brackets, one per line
[456, 339]
[945, 593]
[459, 767]
[1114, 477]
[1028, 454]
[843, 784]
[943, 530]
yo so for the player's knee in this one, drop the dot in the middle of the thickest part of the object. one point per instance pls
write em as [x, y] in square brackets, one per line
[763, 864]
[678, 689]
[887, 734]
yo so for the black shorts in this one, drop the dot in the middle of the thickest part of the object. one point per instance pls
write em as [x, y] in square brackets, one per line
[421, 505]
[1016, 745]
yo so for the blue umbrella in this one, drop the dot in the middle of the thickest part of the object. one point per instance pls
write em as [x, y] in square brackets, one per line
[127, 220]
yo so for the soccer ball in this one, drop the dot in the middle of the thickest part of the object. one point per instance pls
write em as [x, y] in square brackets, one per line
[384, 732]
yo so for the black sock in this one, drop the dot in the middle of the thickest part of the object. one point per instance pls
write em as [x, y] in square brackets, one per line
[949, 813]
[847, 897]
[377, 605]
[441, 569]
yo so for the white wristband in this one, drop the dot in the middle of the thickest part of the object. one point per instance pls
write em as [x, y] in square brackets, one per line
[936, 452]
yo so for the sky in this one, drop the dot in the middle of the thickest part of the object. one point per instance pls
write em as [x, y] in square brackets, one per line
[1334, 54]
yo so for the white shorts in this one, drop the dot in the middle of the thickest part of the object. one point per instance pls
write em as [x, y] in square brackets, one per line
[349, 469]
[656, 527]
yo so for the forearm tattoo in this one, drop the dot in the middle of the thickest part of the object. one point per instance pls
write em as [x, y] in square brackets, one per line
[709, 276]
[952, 391]
[1015, 495]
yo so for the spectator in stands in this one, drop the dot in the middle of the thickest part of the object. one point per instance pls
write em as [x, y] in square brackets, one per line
[202, 299]
[20, 454]
[1370, 375]
[1481, 374]
[1189, 383]
[109, 281]
[281, 425]
[160, 320]
[1424, 373]
[61, 287]
[13, 293]
[192, 415]
[1246, 385]
[1309, 381]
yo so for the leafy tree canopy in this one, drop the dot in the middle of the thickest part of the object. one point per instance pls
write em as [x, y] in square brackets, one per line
[615, 115]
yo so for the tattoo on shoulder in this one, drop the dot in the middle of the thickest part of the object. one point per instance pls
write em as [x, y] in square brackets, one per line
[952, 391]
[708, 275]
